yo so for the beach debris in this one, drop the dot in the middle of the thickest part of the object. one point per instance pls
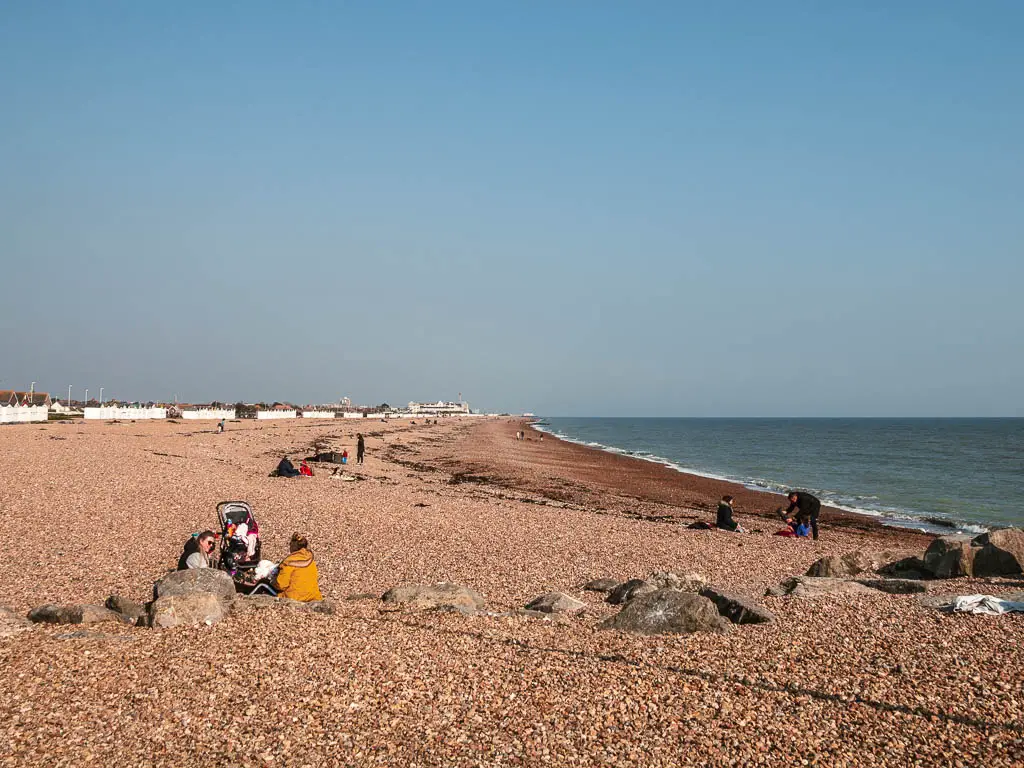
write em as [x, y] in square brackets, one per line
[738, 608]
[949, 557]
[11, 623]
[985, 604]
[816, 586]
[427, 596]
[668, 612]
[856, 562]
[196, 581]
[53, 613]
[895, 586]
[130, 609]
[189, 609]
[628, 590]
[555, 602]
[601, 585]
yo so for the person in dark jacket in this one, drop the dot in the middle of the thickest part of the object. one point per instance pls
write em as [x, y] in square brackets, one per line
[806, 507]
[198, 551]
[725, 521]
[360, 448]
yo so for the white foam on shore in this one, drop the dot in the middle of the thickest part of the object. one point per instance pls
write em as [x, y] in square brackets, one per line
[892, 517]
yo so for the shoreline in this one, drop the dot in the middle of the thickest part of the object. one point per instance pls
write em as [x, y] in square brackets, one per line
[925, 525]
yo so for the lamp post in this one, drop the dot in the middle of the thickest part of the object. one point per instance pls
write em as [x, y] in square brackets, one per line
[86, 399]
[69, 396]
[101, 397]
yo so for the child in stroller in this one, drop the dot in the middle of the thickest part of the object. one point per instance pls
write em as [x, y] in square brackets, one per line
[240, 537]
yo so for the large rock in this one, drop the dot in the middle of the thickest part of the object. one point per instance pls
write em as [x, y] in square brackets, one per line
[196, 580]
[12, 623]
[186, 610]
[626, 591]
[856, 562]
[737, 608]
[817, 586]
[52, 613]
[132, 611]
[949, 557]
[426, 596]
[688, 582]
[555, 602]
[601, 585]
[668, 612]
[999, 553]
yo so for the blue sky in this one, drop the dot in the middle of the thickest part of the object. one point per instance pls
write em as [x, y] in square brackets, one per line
[575, 208]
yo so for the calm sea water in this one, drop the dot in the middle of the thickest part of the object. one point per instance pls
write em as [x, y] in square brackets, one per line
[933, 474]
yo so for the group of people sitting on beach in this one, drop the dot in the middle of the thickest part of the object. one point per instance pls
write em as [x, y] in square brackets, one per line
[296, 577]
[800, 517]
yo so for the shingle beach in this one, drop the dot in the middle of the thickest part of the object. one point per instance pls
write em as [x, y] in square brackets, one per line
[89, 510]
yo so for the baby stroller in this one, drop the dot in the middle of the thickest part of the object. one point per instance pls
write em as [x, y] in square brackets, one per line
[240, 547]
[239, 537]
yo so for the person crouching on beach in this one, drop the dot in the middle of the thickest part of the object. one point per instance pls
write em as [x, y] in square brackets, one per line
[806, 507]
[725, 521]
[297, 575]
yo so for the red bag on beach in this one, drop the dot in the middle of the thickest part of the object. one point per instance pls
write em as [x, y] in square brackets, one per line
[788, 532]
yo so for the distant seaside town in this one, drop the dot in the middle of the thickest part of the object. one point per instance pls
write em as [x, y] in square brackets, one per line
[32, 406]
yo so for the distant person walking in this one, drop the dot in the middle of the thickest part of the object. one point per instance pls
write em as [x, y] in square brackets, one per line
[806, 507]
[220, 426]
[360, 448]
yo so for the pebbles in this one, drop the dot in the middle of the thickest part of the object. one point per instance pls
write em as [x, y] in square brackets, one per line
[856, 679]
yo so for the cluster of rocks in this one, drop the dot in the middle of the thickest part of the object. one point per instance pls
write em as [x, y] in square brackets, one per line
[998, 553]
[181, 598]
[663, 603]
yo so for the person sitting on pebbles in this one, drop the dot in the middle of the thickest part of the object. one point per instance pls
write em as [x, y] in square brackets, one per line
[724, 521]
[297, 575]
[198, 551]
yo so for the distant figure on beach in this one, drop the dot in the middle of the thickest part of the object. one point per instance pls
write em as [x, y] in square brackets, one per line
[806, 507]
[297, 576]
[360, 448]
[198, 551]
[220, 426]
[305, 469]
[725, 520]
[344, 455]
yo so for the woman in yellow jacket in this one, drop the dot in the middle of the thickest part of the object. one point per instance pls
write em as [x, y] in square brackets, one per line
[297, 576]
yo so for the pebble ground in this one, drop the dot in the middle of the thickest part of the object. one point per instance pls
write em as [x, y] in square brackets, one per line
[88, 510]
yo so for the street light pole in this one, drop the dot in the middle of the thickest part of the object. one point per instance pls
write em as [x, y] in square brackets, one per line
[86, 399]
[101, 397]
[69, 395]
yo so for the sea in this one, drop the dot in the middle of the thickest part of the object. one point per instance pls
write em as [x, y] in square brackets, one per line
[936, 475]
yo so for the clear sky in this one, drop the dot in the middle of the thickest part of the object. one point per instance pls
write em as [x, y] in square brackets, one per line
[572, 208]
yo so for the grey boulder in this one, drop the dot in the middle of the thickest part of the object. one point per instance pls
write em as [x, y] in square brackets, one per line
[668, 612]
[817, 586]
[196, 580]
[999, 553]
[556, 602]
[52, 613]
[430, 596]
[856, 562]
[132, 611]
[950, 557]
[738, 608]
[895, 586]
[190, 609]
[626, 591]
[688, 582]
[601, 585]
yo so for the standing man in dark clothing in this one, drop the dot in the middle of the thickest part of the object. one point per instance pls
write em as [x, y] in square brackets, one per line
[805, 506]
[360, 448]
